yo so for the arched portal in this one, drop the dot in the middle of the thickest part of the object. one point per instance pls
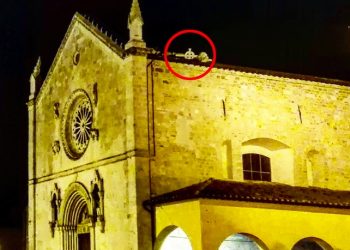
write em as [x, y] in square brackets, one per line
[75, 218]
[173, 238]
[242, 241]
[312, 243]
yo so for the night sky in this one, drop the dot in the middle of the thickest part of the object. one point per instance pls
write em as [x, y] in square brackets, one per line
[306, 37]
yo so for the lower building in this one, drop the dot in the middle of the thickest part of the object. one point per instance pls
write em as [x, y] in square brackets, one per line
[227, 215]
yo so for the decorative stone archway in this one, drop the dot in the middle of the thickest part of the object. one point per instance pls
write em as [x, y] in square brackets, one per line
[76, 221]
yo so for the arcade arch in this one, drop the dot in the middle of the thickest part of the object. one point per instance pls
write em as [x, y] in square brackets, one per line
[173, 238]
[242, 241]
[312, 243]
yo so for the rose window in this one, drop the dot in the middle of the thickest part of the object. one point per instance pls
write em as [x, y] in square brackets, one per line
[82, 120]
[77, 124]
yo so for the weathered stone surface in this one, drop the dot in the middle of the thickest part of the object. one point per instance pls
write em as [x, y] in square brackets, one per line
[112, 154]
[191, 126]
[157, 133]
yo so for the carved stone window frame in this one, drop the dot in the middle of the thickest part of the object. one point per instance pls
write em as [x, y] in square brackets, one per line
[97, 200]
[76, 124]
[55, 204]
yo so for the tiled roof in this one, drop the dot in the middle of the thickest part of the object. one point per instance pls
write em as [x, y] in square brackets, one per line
[261, 192]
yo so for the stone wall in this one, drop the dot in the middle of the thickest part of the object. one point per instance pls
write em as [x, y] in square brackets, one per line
[97, 64]
[112, 154]
[158, 133]
[193, 132]
[119, 207]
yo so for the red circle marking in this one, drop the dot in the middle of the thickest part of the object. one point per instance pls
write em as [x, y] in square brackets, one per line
[182, 32]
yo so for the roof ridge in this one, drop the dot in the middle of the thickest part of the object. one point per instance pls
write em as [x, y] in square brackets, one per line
[261, 192]
[104, 32]
[203, 185]
[77, 17]
[258, 71]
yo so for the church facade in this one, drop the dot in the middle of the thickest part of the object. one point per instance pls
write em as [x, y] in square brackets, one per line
[124, 155]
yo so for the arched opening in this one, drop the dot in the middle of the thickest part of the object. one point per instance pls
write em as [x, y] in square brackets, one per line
[173, 238]
[76, 218]
[242, 241]
[83, 230]
[312, 243]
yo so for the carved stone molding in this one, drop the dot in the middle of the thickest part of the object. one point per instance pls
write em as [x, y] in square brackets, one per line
[55, 203]
[95, 94]
[34, 79]
[95, 134]
[56, 109]
[97, 200]
[76, 56]
[76, 124]
[56, 148]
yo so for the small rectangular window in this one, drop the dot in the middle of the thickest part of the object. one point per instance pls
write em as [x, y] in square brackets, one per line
[256, 167]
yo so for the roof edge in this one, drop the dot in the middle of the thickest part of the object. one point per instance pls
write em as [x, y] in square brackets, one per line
[252, 70]
[77, 17]
[207, 189]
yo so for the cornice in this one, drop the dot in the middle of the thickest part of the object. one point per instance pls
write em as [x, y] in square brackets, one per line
[220, 68]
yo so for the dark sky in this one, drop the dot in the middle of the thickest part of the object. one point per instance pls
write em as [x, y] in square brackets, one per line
[307, 37]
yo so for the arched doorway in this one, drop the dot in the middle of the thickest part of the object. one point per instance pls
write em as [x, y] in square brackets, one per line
[312, 243]
[173, 238]
[76, 218]
[242, 242]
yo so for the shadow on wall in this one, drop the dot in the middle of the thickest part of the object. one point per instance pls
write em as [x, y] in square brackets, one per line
[11, 239]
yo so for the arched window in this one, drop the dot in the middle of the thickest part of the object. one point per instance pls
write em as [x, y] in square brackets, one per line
[242, 241]
[256, 167]
[267, 160]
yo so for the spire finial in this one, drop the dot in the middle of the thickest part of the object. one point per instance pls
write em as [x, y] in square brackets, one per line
[37, 67]
[135, 13]
[34, 79]
[135, 23]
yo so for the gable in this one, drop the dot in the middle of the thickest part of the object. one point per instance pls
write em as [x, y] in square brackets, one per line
[87, 65]
[78, 31]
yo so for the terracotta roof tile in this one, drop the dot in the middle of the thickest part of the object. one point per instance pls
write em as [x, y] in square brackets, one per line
[262, 192]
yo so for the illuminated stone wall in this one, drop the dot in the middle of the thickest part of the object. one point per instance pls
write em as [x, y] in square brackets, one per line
[158, 133]
[97, 64]
[196, 139]
[112, 154]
